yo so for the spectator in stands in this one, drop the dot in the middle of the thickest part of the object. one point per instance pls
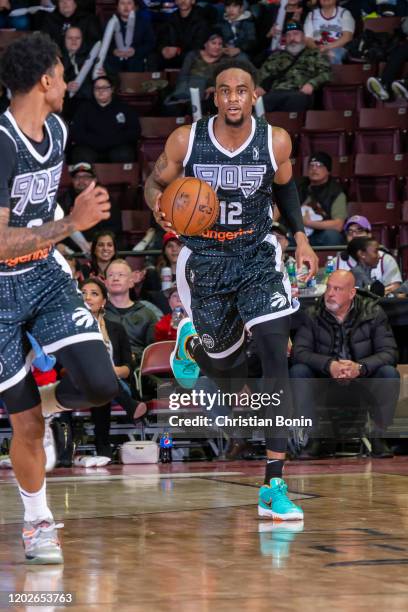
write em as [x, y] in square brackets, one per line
[134, 41]
[289, 78]
[95, 296]
[103, 252]
[186, 30]
[367, 271]
[166, 327]
[67, 14]
[74, 54]
[389, 81]
[324, 203]
[329, 28]
[168, 259]
[347, 337]
[386, 270]
[138, 319]
[197, 71]
[238, 29]
[104, 129]
[15, 22]
[82, 175]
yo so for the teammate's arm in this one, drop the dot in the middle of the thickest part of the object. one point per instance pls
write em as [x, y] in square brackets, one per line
[168, 167]
[287, 200]
[91, 207]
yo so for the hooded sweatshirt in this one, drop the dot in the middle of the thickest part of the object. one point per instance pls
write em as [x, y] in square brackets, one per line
[240, 33]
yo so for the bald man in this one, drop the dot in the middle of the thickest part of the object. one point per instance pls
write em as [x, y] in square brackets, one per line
[347, 337]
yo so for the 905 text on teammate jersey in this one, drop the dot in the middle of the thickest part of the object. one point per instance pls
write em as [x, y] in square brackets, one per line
[35, 188]
[232, 177]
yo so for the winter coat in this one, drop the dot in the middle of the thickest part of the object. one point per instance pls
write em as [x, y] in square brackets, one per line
[370, 338]
[240, 33]
[279, 71]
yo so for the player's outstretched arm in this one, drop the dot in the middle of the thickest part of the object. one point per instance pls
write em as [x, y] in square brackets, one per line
[287, 200]
[168, 167]
[90, 207]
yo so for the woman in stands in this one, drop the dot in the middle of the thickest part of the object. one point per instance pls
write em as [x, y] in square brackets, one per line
[103, 251]
[117, 343]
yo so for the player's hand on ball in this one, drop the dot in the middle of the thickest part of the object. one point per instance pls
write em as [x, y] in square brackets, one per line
[91, 206]
[160, 217]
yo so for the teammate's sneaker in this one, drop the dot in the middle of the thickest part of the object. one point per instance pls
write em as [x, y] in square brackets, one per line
[400, 88]
[274, 502]
[41, 542]
[377, 89]
[49, 446]
[185, 369]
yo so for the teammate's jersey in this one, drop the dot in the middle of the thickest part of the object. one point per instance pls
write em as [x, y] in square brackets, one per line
[243, 182]
[33, 181]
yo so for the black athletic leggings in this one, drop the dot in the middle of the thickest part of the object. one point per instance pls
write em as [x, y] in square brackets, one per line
[229, 373]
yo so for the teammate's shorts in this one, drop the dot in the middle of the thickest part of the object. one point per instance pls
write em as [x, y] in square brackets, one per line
[44, 301]
[224, 295]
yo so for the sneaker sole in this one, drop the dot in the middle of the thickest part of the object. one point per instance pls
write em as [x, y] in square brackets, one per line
[399, 92]
[377, 94]
[52, 560]
[290, 516]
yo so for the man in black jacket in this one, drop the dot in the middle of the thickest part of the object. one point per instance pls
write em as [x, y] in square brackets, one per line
[67, 14]
[104, 129]
[347, 337]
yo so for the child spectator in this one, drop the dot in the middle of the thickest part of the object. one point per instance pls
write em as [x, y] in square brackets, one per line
[166, 328]
[329, 28]
[238, 29]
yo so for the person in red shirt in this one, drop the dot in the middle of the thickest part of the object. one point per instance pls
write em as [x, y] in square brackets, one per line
[166, 328]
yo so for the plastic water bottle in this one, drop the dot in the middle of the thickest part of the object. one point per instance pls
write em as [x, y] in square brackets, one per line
[166, 444]
[166, 278]
[329, 266]
[291, 268]
[177, 316]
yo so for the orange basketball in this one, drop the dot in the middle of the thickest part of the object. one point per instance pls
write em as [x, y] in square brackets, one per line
[190, 205]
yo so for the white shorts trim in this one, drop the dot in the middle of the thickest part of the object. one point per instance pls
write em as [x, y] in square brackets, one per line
[59, 344]
[181, 281]
[274, 315]
[21, 374]
[229, 350]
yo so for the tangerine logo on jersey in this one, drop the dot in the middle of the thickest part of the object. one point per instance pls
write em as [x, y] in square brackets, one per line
[35, 256]
[223, 236]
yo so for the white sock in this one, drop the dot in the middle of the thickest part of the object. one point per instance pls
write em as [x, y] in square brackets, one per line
[35, 505]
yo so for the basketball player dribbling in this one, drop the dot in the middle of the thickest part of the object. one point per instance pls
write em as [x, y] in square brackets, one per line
[229, 278]
[36, 294]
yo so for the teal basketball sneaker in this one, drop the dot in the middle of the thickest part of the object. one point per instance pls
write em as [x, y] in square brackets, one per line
[274, 502]
[185, 369]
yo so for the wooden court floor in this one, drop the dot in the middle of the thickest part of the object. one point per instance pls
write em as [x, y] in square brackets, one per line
[186, 537]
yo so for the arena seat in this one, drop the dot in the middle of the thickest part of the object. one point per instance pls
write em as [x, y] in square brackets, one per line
[135, 223]
[9, 36]
[382, 24]
[381, 130]
[378, 177]
[346, 90]
[291, 122]
[122, 181]
[104, 9]
[155, 131]
[329, 131]
[404, 211]
[155, 361]
[386, 213]
[137, 89]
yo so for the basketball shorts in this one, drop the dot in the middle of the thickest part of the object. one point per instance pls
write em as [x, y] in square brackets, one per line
[223, 296]
[43, 300]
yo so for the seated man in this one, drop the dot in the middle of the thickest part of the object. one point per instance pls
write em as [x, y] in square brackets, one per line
[136, 317]
[324, 203]
[347, 337]
[386, 270]
[68, 14]
[289, 78]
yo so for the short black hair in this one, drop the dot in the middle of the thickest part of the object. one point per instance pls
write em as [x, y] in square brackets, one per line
[26, 60]
[95, 281]
[236, 63]
[237, 2]
[358, 244]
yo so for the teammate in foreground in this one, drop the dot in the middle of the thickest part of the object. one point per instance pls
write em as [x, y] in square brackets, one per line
[229, 278]
[36, 295]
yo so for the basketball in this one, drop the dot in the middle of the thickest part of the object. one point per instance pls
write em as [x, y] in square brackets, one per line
[190, 205]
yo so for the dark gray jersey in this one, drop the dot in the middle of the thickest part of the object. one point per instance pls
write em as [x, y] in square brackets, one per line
[243, 182]
[30, 179]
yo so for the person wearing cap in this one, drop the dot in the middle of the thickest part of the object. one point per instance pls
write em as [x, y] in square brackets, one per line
[324, 202]
[328, 28]
[386, 270]
[104, 129]
[289, 78]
